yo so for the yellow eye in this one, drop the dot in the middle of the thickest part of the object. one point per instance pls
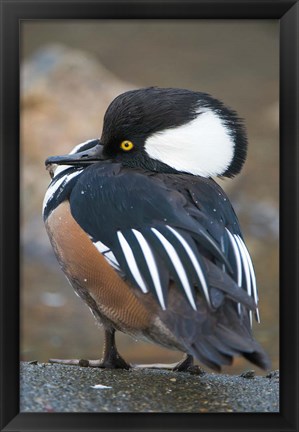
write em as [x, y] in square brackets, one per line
[126, 145]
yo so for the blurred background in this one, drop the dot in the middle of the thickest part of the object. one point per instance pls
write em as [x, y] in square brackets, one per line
[70, 72]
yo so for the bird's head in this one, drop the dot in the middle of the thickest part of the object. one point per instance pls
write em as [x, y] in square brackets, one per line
[167, 130]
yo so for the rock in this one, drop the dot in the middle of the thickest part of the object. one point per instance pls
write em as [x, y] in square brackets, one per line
[64, 96]
[59, 388]
[249, 374]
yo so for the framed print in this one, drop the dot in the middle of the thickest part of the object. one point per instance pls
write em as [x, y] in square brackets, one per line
[93, 81]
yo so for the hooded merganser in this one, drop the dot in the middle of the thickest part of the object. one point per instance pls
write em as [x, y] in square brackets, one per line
[147, 238]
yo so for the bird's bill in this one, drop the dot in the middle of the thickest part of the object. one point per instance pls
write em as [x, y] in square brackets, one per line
[91, 155]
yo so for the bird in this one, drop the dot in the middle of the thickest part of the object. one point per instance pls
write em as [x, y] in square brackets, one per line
[148, 238]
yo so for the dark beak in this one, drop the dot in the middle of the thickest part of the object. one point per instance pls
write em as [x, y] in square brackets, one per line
[88, 156]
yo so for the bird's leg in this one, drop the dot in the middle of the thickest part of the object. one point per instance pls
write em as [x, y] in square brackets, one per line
[187, 365]
[186, 362]
[111, 358]
[184, 365]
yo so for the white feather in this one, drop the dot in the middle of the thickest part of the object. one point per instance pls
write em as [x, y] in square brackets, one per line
[202, 147]
[79, 146]
[107, 253]
[177, 264]
[76, 149]
[223, 250]
[110, 258]
[101, 247]
[250, 318]
[238, 261]
[238, 257]
[54, 187]
[194, 262]
[51, 190]
[245, 264]
[251, 269]
[100, 386]
[131, 261]
[257, 315]
[60, 169]
[152, 266]
[253, 279]
[246, 269]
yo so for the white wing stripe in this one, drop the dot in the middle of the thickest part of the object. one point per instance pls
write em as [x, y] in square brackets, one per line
[237, 255]
[107, 254]
[252, 274]
[177, 264]
[110, 258]
[152, 266]
[246, 269]
[131, 261]
[253, 279]
[194, 262]
[238, 260]
[250, 318]
[223, 250]
[257, 315]
[101, 247]
[245, 264]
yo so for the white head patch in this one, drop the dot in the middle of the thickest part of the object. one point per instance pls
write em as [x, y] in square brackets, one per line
[201, 147]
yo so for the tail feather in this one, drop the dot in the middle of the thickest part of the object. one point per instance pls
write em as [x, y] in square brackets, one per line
[215, 356]
[259, 358]
[216, 352]
[214, 338]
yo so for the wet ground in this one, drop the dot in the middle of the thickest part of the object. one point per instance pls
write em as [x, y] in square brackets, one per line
[55, 388]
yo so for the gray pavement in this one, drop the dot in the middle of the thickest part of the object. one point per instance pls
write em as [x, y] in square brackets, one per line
[57, 388]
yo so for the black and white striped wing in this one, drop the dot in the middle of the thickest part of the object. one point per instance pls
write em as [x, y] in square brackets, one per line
[153, 255]
[244, 271]
[224, 228]
[146, 232]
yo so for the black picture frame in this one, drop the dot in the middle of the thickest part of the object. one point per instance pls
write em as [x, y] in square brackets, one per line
[12, 13]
